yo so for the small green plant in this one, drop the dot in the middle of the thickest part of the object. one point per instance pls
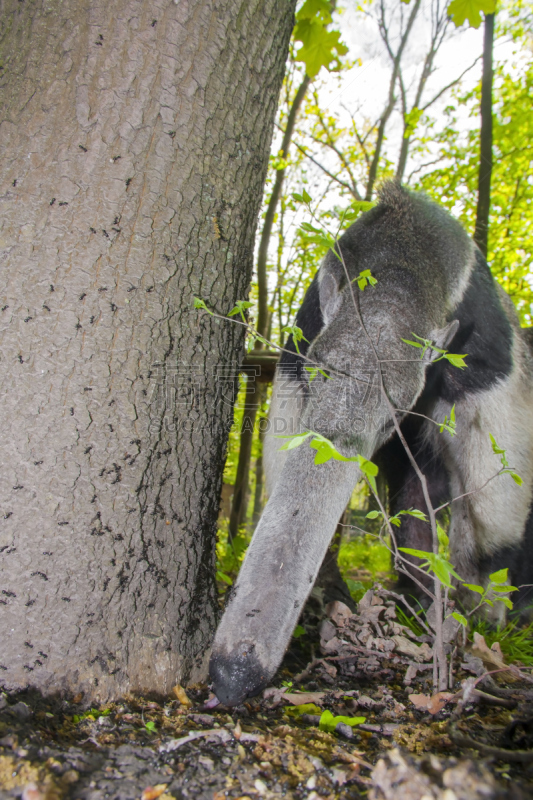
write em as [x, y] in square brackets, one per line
[305, 708]
[311, 234]
[516, 642]
[328, 722]
[499, 451]
[150, 726]
[426, 344]
[410, 622]
[297, 335]
[326, 451]
[364, 279]
[240, 308]
[229, 556]
[313, 372]
[395, 520]
[92, 714]
[449, 424]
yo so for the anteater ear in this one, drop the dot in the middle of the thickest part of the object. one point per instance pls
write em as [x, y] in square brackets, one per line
[330, 296]
[441, 338]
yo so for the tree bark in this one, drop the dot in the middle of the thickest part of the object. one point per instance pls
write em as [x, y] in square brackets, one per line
[240, 488]
[481, 233]
[259, 469]
[135, 142]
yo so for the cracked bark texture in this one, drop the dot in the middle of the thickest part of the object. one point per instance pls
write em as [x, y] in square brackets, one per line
[135, 141]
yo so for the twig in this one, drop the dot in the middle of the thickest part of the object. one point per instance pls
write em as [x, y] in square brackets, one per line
[404, 602]
[520, 756]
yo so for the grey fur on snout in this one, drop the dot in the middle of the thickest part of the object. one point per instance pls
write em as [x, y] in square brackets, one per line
[279, 571]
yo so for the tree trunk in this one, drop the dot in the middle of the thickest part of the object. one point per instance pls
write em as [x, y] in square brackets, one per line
[135, 142]
[240, 489]
[262, 255]
[481, 233]
[259, 470]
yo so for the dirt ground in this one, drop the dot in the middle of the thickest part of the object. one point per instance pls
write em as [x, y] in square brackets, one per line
[474, 742]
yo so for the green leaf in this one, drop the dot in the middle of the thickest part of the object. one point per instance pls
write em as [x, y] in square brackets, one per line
[414, 512]
[449, 424]
[362, 205]
[373, 514]
[198, 303]
[496, 449]
[454, 359]
[239, 308]
[294, 441]
[305, 708]
[319, 46]
[364, 278]
[296, 333]
[413, 344]
[225, 578]
[506, 589]
[471, 10]
[367, 467]
[442, 537]
[315, 8]
[306, 197]
[474, 588]
[306, 226]
[439, 565]
[150, 726]
[328, 722]
[460, 618]
[500, 576]
[299, 631]
[418, 553]
[313, 372]
[411, 120]
[516, 478]
[325, 452]
[506, 602]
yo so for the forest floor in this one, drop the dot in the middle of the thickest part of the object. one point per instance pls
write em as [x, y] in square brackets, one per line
[397, 739]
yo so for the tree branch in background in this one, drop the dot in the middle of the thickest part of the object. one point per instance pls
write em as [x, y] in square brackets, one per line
[333, 177]
[396, 60]
[440, 25]
[481, 232]
[262, 255]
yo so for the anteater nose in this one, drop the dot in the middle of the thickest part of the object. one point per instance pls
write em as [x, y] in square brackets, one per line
[238, 674]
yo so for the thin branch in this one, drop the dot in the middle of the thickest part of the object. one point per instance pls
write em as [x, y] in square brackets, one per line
[335, 178]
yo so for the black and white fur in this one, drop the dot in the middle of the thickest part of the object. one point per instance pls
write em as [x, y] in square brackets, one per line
[432, 281]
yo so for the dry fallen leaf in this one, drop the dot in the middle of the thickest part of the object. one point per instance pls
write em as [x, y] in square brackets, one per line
[301, 698]
[181, 695]
[338, 612]
[491, 657]
[433, 704]
[408, 648]
[153, 792]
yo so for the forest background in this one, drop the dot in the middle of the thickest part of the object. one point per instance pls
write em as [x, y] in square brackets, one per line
[437, 96]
